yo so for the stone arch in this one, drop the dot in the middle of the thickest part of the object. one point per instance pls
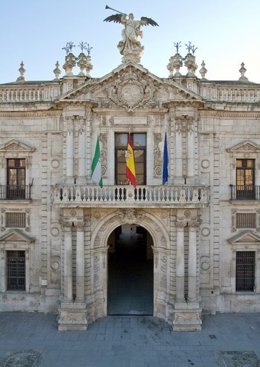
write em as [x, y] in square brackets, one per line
[161, 249]
[130, 216]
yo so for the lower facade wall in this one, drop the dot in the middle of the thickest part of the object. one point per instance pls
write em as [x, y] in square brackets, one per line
[223, 303]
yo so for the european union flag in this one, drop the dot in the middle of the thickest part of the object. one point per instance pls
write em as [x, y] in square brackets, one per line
[165, 161]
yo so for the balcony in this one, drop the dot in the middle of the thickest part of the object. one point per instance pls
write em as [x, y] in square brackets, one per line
[15, 192]
[126, 196]
[249, 192]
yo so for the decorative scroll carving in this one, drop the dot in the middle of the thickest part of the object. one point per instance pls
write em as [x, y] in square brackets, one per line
[103, 140]
[157, 172]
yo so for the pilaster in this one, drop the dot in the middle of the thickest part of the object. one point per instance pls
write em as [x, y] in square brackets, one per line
[82, 152]
[73, 313]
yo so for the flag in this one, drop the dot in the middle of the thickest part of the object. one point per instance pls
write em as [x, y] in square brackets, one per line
[96, 173]
[130, 162]
[165, 161]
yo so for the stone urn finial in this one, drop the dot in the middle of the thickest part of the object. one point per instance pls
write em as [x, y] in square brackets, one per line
[203, 71]
[57, 70]
[84, 61]
[70, 59]
[22, 71]
[175, 62]
[242, 71]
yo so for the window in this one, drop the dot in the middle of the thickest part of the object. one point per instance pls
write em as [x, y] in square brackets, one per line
[15, 270]
[16, 178]
[245, 220]
[245, 178]
[15, 220]
[245, 271]
[139, 147]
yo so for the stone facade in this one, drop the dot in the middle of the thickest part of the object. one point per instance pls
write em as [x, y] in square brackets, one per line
[198, 221]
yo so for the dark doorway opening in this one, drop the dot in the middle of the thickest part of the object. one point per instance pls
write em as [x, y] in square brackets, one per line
[130, 271]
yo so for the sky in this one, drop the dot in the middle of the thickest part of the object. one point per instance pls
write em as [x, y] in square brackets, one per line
[225, 32]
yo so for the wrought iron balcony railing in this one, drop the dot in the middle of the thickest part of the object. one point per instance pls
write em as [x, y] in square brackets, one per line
[245, 192]
[123, 195]
[15, 192]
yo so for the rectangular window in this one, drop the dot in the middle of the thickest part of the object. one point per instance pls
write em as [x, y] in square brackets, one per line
[15, 220]
[245, 271]
[139, 148]
[245, 179]
[15, 270]
[246, 220]
[16, 178]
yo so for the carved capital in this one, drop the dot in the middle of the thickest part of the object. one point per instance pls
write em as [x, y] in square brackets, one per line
[194, 223]
[181, 223]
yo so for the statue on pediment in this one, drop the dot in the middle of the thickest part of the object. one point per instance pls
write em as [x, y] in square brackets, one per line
[130, 46]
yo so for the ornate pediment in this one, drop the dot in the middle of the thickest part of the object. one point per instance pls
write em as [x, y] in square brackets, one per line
[16, 146]
[130, 87]
[245, 237]
[246, 146]
[16, 235]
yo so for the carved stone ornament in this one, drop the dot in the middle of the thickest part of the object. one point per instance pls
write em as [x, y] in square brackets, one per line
[132, 91]
[130, 216]
[103, 141]
[157, 155]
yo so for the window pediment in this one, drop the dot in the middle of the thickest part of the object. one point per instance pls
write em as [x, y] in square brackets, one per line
[16, 235]
[16, 146]
[245, 237]
[244, 147]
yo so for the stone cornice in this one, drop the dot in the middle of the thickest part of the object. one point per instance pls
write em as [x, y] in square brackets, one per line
[41, 113]
[231, 114]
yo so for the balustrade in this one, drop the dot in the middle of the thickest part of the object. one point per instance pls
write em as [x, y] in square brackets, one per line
[29, 93]
[146, 195]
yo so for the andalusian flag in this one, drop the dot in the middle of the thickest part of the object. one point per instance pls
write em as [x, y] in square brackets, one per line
[96, 172]
[130, 162]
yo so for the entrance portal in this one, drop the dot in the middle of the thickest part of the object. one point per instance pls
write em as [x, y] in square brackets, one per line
[130, 271]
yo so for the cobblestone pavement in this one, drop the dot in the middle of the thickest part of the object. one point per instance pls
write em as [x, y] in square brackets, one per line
[32, 339]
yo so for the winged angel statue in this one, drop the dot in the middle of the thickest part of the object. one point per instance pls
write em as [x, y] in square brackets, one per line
[131, 32]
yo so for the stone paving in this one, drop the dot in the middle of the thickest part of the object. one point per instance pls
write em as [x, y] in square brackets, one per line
[32, 339]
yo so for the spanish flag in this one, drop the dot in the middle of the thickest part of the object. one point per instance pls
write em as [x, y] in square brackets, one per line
[130, 162]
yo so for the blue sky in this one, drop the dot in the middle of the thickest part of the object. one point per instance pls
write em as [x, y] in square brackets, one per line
[226, 32]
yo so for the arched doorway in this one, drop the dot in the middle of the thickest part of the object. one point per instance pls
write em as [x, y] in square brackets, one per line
[130, 271]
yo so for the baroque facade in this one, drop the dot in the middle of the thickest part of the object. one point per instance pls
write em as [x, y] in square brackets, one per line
[58, 228]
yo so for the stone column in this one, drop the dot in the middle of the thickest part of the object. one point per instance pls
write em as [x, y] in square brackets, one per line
[69, 151]
[67, 264]
[178, 147]
[80, 263]
[82, 155]
[190, 150]
[180, 262]
[192, 264]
